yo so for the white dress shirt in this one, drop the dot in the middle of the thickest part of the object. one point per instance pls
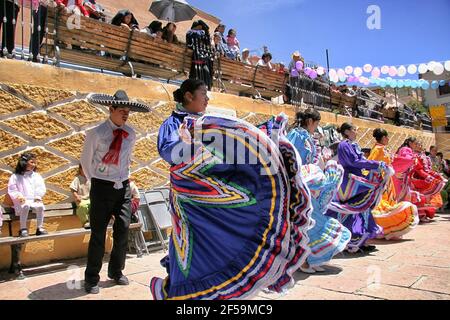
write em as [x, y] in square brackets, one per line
[97, 145]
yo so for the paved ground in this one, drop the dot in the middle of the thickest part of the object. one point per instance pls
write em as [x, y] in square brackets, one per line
[416, 268]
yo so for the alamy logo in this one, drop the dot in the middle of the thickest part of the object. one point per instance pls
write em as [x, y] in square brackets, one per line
[374, 20]
[74, 21]
[74, 280]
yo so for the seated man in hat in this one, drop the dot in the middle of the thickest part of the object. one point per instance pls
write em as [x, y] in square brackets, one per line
[106, 160]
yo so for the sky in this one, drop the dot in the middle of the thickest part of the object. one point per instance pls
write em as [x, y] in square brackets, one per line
[412, 31]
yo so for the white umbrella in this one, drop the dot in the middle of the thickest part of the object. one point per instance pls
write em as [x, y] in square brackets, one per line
[172, 10]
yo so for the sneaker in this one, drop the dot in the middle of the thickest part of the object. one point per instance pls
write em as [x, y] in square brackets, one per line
[91, 288]
[41, 232]
[121, 280]
[23, 233]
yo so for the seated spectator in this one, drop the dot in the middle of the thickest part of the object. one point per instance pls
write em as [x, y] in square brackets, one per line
[334, 88]
[233, 44]
[26, 188]
[265, 61]
[75, 6]
[154, 30]
[168, 33]
[135, 199]
[95, 10]
[281, 68]
[9, 12]
[220, 48]
[366, 152]
[295, 57]
[80, 188]
[125, 18]
[221, 29]
[245, 56]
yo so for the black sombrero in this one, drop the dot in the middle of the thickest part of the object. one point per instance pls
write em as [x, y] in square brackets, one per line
[119, 99]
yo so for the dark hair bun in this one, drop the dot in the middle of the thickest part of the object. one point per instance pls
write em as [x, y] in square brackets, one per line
[178, 96]
[379, 133]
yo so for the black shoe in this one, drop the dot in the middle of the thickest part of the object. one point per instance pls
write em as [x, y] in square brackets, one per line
[121, 280]
[41, 232]
[368, 248]
[91, 288]
[23, 233]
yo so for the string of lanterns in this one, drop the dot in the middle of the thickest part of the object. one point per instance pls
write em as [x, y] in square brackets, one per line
[355, 74]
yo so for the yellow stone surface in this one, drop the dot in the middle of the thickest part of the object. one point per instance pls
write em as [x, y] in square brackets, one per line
[258, 118]
[166, 109]
[10, 141]
[72, 145]
[162, 165]
[37, 125]
[148, 179]
[41, 95]
[147, 122]
[63, 179]
[79, 113]
[145, 150]
[46, 161]
[52, 197]
[4, 178]
[11, 103]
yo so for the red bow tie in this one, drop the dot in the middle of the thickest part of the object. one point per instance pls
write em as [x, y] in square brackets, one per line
[113, 155]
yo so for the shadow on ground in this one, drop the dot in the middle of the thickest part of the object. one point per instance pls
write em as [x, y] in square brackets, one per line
[329, 270]
[65, 291]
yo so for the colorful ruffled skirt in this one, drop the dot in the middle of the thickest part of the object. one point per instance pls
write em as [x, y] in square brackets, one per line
[328, 237]
[239, 225]
[354, 202]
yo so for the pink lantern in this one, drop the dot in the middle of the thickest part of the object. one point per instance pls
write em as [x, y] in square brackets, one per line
[299, 65]
[392, 71]
[355, 79]
[313, 74]
[294, 73]
[376, 72]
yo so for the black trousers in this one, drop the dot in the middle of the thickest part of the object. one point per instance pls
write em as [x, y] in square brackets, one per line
[39, 19]
[10, 11]
[106, 202]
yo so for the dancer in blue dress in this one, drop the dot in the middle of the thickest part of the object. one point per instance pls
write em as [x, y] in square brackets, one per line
[231, 217]
[328, 237]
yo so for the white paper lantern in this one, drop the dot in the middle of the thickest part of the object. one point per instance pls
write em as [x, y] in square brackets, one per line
[431, 65]
[447, 65]
[384, 69]
[438, 69]
[423, 68]
[358, 72]
[401, 71]
[332, 73]
[341, 73]
[412, 69]
[348, 69]
[320, 71]
[367, 67]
